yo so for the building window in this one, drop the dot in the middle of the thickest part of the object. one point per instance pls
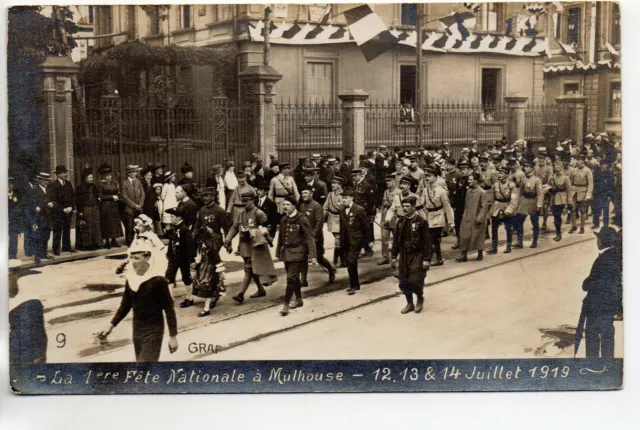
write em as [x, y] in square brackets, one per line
[495, 17]
[409, 14]
[186, 16]
[615, 24]
[90, 14]
[491, 88]
[131, 21]
[407, 84]
[154, 19]
[319, 82]
[105, 25]
[571, 88]
[615, 100]
[573, 26]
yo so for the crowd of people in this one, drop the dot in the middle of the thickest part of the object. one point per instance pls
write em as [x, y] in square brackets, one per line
[416, 196]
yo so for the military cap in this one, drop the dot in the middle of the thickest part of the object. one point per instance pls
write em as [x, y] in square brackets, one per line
[430, 171]
[484, 157]
[413, 157]
[463, 163]
[301, 159]
[581, 156]
[305, 187]
[412, 200]
[207, 191]
[311, 170]
[409, 180]
[503, 169]
[527, 162]
[347, 192]
[338, 179]
[284, 166]
[247, 195]
[356, 171]
[390, 177]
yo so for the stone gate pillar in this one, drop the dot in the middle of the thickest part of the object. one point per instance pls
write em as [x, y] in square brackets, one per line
[517, 105]
[261, 80]
[353, 122]
[57, 91]
[576, 104]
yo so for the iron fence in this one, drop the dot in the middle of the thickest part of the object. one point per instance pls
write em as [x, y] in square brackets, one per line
[303, 129]
[454, 122]
[133, 131]
[548, 123]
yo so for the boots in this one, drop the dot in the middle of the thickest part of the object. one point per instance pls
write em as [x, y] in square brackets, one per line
[462, 258]
[534, 244]
[508, 249]
[114, 243]
[494, 246]
[407, 309]
[558, 237]
[519, 244]
[107, 244]
[284, 311]
[419, 304]
[480, 256]
[296, 304]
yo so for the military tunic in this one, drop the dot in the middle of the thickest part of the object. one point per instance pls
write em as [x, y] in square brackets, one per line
[474, 220]
[282, 186]
[583, 183]
[436, 204]
[411, 243]
[531, 196]
[560, 190]
[505, 199]
[332, 207]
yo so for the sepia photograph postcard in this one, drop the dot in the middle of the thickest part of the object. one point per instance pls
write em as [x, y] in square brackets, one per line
[305, 197]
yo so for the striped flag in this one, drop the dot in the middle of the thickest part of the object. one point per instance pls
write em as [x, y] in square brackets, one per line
[369, 31]
[472, 7]
[527, 25]
[569, 51]
[457, 25]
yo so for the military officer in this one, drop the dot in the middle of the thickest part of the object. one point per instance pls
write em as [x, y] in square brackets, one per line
[283, 186]
[543, 171]
[460, 198]
[385, 232]
[332, 207]
[583, 186]
[313, 211]
[355, 234]
[411, 253]
[395, 212]
[503, 211]
[530, 204]
[439, 213]
[560, 193]
[296, 248]
[487, 179]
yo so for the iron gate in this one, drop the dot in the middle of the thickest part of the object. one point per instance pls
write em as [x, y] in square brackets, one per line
[163, 126]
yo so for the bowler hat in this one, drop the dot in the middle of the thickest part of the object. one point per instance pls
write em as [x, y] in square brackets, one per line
[61, 169]
[347, 192]
[607, 236]
[186, 167]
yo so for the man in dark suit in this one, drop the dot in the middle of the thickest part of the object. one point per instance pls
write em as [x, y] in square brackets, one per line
[604, 296]
[318, 187]
[61, 194]
[268, 206]
[186, 206]
[133, 196]
[298, 172]
[355, 234]
[29, 215]
[42, 222]
[365, 198]
[345, 170]
[314, 212]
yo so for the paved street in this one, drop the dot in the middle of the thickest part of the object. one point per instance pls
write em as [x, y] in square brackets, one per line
[506, 306]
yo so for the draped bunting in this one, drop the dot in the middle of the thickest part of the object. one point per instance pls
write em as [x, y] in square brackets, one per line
[320, 34]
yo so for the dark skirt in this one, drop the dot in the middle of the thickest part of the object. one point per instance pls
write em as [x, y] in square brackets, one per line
[111, 223]
[88, 232]
[207, 283]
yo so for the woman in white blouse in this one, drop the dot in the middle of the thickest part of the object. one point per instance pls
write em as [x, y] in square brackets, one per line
[230, 180]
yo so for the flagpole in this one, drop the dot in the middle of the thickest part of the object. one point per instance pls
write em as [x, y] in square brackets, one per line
[267, 30]
[418, 96]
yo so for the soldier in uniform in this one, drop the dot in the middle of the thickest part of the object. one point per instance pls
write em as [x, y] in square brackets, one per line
[503, 211]
[181, 252]
[459, 199]
[355, 234]
[543, 171]
[364, 197]
[318, 187]
[258, 264]
[472, 226]
[283, 186]
[296, 247]
[385, 232]
[583, 186]
[313, 211]
[439, 212]
[560, 195]
[332, 207]
[530, 204]
[411, 253]
[414, 169]
[487, 179]
[63, 197]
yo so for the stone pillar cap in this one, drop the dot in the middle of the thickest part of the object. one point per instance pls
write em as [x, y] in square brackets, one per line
[261, 72]
[354, 95]
[59, 65]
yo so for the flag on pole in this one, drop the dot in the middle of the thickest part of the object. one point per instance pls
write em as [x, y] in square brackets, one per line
[369, 31]
[472, 7]
[457, 25]
[569, 51]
